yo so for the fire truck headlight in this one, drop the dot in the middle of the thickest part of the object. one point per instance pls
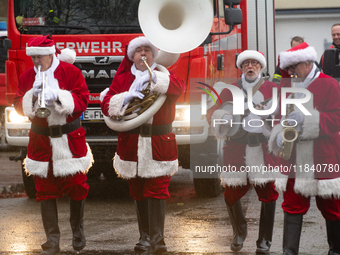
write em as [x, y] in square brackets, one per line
[182, 114]
[14, 117]
[189, 113]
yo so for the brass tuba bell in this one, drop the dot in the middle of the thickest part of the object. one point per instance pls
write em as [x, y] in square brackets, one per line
[174, 27]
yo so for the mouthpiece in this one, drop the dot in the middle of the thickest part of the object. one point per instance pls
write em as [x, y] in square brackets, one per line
[144, 58]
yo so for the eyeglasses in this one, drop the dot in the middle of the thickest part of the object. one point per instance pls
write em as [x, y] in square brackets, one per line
[292, 68]
[253, 63]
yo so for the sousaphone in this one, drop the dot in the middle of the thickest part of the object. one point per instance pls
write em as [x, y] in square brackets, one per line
[174, 27]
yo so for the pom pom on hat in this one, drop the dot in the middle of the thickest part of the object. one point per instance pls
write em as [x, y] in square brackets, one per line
[42, 45]
[138, 42]
[300, 53]
[251, 54]
[67, 55]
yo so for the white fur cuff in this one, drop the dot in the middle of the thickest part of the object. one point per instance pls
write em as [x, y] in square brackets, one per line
[27, 104]
[220, 131]
[162, 84]
[329, 188]
[67, 103]
[115, 105]
[234, 179]
[34, 167]
[310, 127]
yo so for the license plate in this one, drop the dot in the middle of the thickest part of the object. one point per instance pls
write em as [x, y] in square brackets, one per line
[92, 114]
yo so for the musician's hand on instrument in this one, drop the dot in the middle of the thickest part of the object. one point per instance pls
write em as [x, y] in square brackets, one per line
[131, 95]
[37, 86]
[140, 83]
[103, 94]
[259, 106]
[154, 77]
[296, 115]
[265, 107]
[51, 95]
[279, 139]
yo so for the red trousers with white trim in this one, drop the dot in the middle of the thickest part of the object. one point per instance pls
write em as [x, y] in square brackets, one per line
[266, 193]
[142, 188]
[297, 204]
[74, 186]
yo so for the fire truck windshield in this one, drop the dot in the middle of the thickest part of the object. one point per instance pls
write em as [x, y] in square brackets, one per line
[77, 16]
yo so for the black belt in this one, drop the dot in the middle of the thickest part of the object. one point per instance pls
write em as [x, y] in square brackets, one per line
[300, 140]
[147, 130]
[252, 139]
[56, 130]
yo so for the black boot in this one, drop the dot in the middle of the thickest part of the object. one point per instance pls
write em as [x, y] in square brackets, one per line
[143, 244]
[239, 224]
[333, 236]
[49, 214]
[77, 224]
[156, 224]
[292, 226]
[266, 227]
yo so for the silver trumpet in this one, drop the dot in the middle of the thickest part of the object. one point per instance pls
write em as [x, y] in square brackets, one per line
[42, 111]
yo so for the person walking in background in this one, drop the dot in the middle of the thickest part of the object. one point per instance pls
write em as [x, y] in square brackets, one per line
[57, 154]
[296, 40]
[146, 155]
[248, 150]
[316, 147]
[335, 32]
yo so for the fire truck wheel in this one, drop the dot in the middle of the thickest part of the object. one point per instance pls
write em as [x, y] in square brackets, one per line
[28, 183]
[207, 187]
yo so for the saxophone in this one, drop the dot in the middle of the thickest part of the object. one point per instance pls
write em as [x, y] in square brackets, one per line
[289, 133]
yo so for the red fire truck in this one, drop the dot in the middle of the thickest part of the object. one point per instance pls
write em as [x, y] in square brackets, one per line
[99, 30]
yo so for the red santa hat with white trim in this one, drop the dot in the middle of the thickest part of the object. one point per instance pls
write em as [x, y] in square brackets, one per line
[300, 53]
[44, 45]
[251, 54]
[139, 42]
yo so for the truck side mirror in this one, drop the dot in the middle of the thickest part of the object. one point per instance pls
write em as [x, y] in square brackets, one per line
[7, 43]
[233, 16]
[331, 65]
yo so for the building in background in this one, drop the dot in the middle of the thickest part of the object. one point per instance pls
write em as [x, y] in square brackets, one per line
[310, 19]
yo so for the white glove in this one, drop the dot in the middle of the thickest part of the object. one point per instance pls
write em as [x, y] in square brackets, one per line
[154, 77]
[137, 85]
[279, 139]
[296, 115]
[37, 86]
[131, 95]
[266, 107]
[103, 94]
[51, 95]
[227, 117]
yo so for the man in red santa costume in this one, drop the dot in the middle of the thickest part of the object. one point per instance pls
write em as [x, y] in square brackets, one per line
[248, 150]
[146, 155]
[315, 157]
[57, 153]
